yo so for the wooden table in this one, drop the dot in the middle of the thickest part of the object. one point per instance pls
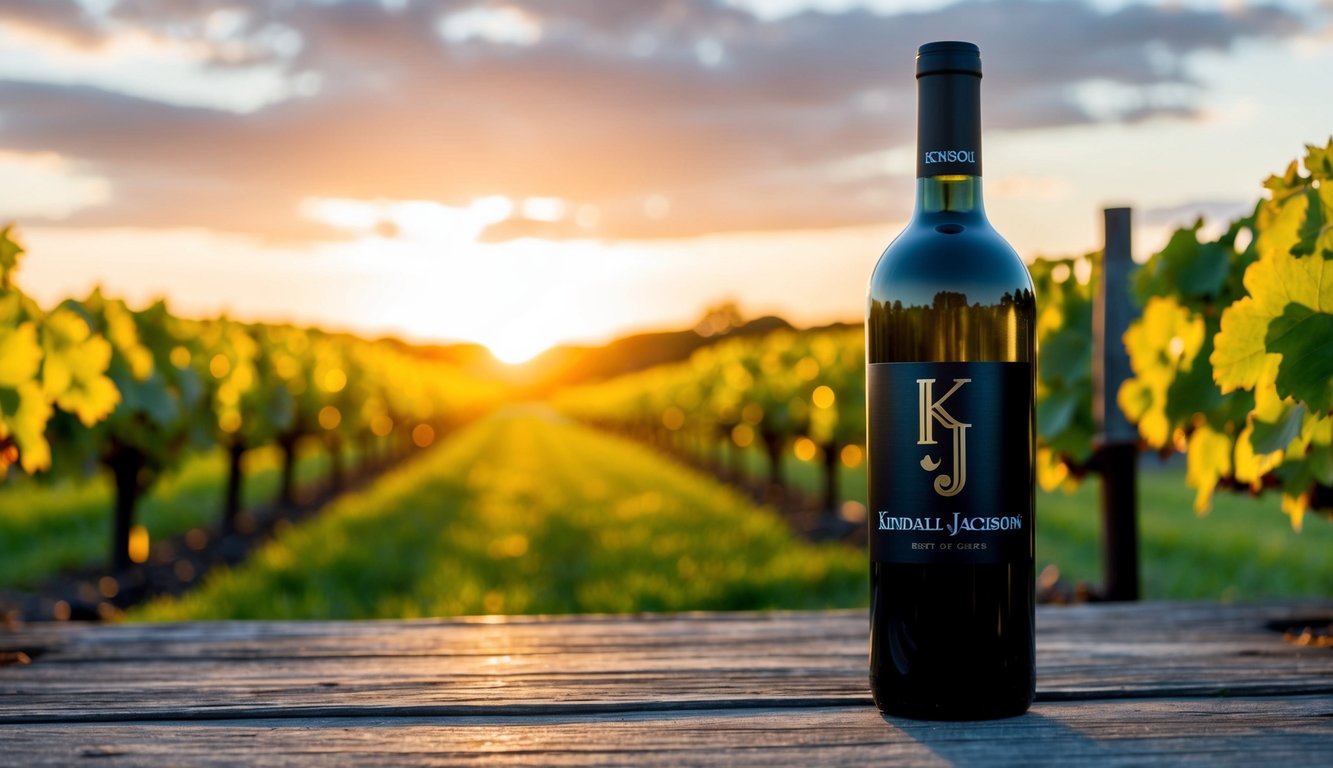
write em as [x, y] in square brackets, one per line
[1142, 684]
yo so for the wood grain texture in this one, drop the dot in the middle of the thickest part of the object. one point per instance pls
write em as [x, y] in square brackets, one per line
[1296, 731]
[1143, 683]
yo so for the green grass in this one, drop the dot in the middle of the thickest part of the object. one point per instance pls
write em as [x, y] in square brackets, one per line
[46, 529]
[524, 512]
[1244, 549]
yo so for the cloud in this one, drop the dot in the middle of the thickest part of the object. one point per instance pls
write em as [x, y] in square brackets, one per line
[731, 121]
[44, 185]
[64, 21]
[1218, 213]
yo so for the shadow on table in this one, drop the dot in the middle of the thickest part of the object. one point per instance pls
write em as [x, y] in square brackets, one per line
[1029, 739]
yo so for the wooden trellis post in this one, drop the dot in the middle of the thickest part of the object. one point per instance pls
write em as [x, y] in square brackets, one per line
[1116, 440]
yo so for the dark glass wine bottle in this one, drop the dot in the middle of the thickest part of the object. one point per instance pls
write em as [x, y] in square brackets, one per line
[950, 353]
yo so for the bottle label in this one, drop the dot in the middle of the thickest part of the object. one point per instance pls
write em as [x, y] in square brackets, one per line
[950, 462]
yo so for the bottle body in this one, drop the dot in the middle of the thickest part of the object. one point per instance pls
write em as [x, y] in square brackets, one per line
[950, 353]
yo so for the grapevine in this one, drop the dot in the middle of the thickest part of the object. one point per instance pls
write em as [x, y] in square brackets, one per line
[1231, 357]
[98, 383]
[49, 362]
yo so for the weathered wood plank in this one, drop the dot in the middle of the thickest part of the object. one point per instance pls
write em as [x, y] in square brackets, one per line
[1294, 731]
[1167, 622]
[539, 666]
[1119, 685]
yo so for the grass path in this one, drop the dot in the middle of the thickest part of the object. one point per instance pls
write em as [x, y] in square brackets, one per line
[525, 512]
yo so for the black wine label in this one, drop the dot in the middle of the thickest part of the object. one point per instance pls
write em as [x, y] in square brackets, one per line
[950, 462]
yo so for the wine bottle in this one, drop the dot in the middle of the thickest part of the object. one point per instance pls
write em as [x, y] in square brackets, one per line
[950, 358]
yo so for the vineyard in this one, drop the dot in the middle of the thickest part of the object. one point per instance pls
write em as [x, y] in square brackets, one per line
[95, 385]
[526, 513]
[120, 427]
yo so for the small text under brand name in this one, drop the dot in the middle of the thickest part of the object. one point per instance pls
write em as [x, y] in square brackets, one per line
[951, 156]
[959, 523]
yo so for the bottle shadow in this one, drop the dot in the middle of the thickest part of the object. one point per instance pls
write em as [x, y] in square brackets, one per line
[1026, 740]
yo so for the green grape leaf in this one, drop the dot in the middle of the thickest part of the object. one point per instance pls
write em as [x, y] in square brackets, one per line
[162, 408]
[1269, 436]
[1313, 227]
[1279, 222]
[1309, 460]
[28, 426]
[1135, 398]
[280, 408]
[1250, 466]
[73, 370]
[20, 355]
[1066, 356]
[189, 388]
[1193, 389]
[1162, 344]
[124, 336]
[1207, 273]
[1303, 337]
[1317, 439]
[12, 310]
[9, 255]
[1239, 354]
[1207, 460]
[1323, 244]
[1319, 460]
[1274, 282]
[1319, 161]
[9, 403]
[1286, 185]
[1191, 268]
[150, 398]
[1055, 412]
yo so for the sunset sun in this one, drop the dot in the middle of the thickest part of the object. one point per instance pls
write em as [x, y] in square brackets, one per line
[516, 348]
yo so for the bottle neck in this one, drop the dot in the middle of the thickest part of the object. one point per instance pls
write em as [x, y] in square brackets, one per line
[948, 124]
[949, 193]
[949, 143]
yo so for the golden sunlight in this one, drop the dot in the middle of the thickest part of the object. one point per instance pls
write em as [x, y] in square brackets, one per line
[423, 221]
[517, 298]
[516, 348]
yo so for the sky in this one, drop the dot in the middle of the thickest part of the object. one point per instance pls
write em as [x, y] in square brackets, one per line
[524, 173]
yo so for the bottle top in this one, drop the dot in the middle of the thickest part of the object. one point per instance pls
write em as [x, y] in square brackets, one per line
[948, 56]
[948, 127]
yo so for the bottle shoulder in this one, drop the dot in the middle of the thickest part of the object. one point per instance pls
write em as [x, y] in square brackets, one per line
[948, 253]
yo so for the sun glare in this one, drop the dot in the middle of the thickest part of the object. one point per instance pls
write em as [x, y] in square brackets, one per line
[516, 298]
[421, 221]
[516, 349]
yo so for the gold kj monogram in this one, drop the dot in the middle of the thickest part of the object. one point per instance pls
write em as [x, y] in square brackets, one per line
[931, 411]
